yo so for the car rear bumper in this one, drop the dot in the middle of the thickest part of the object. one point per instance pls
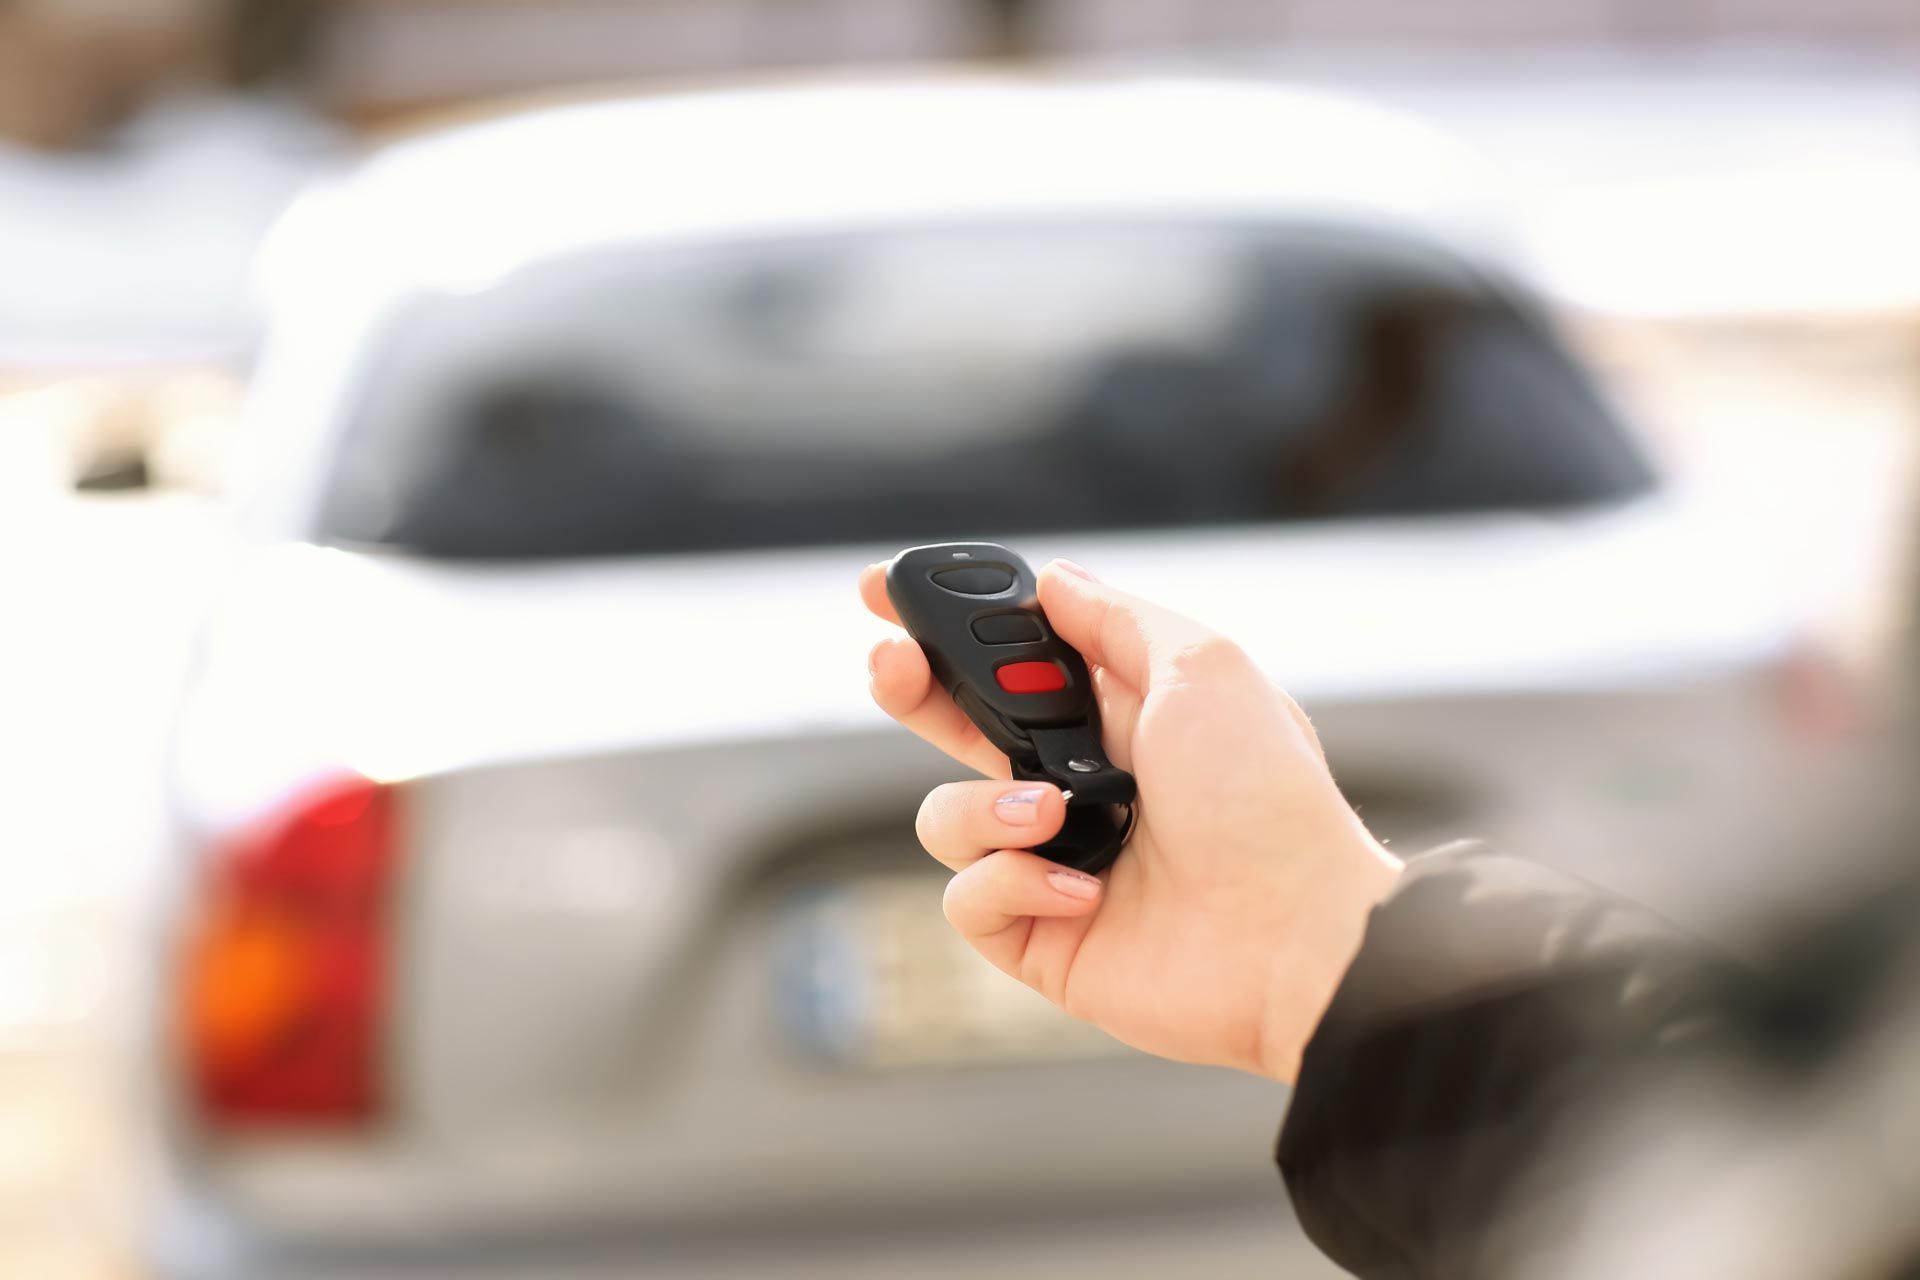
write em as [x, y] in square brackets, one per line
[1149, 1242]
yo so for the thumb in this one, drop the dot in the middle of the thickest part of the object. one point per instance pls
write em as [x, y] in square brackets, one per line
[1130, 637]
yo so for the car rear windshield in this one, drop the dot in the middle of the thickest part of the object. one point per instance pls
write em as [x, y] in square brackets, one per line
[946, 382]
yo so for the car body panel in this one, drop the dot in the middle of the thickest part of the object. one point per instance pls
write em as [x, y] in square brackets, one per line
[408, 668]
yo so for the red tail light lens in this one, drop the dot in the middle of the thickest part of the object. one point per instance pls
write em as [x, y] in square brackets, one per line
[1820, 700]
[283, 990]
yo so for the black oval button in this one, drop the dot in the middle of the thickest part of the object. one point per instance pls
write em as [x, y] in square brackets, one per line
[975, 580]
[1007, 628]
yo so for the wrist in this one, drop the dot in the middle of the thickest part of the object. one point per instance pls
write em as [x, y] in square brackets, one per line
[1325, 923]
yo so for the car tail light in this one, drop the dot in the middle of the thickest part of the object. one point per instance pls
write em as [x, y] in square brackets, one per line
[284, 985]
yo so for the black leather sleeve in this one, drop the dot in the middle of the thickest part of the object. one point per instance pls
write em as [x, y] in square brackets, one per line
[1491, 1000]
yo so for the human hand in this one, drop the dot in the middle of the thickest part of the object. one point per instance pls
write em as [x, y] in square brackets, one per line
[1221, 933]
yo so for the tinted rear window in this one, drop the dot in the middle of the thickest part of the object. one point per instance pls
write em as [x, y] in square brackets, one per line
[912, 386]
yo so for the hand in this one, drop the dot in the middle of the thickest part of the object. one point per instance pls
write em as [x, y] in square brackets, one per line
[1223, 929]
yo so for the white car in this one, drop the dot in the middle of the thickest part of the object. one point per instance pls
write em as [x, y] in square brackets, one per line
[547, 874]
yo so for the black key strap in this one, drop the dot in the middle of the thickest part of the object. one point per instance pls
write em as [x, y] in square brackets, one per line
[1065, 755]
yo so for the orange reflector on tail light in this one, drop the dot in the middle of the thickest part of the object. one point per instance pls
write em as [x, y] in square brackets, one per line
[284, 985]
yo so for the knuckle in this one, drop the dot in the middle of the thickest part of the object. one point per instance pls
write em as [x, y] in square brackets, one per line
[953, 901]
[931, 821]
[1210, 657]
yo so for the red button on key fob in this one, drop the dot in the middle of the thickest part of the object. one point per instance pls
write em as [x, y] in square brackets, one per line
[1030, 677]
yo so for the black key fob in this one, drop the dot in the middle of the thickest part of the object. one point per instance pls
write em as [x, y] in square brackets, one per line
[975, 609]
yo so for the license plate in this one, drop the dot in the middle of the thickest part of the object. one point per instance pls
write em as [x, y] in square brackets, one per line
[868, 973]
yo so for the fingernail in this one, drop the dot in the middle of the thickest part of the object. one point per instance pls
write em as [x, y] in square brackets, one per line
[1068, 566]
[1020, 808]
[1074, 885]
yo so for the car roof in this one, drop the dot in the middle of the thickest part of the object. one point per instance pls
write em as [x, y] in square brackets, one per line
[469, 205]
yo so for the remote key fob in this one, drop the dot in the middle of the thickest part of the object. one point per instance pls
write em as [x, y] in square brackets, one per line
[975, 610]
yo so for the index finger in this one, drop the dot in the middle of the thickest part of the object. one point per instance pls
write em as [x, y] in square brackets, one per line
[873, 593]
[904, 687]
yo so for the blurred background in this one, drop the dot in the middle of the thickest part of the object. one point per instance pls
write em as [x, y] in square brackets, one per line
[445, 832]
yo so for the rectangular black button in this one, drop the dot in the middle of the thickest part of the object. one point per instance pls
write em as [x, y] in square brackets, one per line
[1007, 628]
[975, 580]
